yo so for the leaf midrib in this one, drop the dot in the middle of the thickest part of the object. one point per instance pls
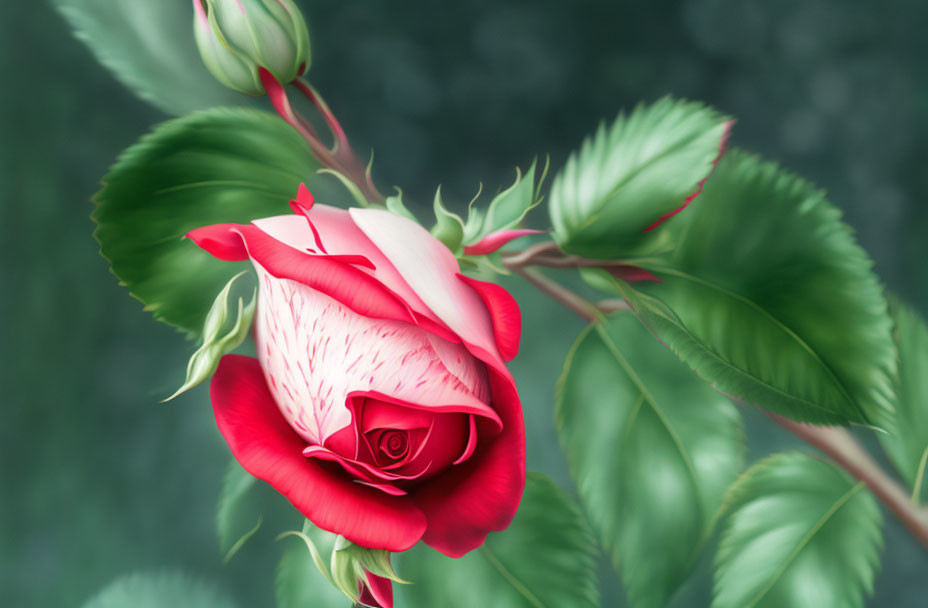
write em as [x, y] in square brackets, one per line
[518, 585]
[630, 173]
[836, 382]
[658, 411]
[805, 540]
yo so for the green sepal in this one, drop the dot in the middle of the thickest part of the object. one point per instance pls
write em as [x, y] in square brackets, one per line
[349, 185]
[508, 208]
[205, 359]
[449, 227]
[342, 562]
[395, 205]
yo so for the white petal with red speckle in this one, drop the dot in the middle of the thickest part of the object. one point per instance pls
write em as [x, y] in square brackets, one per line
[315, 352]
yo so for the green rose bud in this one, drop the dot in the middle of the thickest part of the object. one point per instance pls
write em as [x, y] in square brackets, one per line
[236, 37]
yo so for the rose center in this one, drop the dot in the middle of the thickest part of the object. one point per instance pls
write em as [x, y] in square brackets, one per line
[393, 444]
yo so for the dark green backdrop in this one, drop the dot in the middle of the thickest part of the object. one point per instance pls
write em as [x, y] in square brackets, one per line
[98, 479]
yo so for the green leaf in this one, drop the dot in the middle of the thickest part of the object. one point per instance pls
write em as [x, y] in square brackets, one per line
[546, 558]
[216, 166]
[801, 533]
[300, 581]
[159, 590]
[652, 449]
[908, 445]
[630, 175]
[149, 46]
[768, 297]
[507, 209]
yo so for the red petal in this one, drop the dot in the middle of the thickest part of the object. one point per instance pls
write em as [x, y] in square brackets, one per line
[343, 282]
[222, 241]
[266, 446]
[504, 312]
[377, 592]
[495, 240]
[481, 495]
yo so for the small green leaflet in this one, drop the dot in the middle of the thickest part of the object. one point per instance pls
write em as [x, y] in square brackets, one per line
[799, 533]
[628, 176]
[211, 167]
[545, 559]
[205, 359]
[159, 590]
[907, 446]
[149, 46]
[768, 297]
[652, 449]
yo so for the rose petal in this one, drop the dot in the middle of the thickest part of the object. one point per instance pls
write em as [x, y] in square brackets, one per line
[342, 237]
[407, 245]
[378, 591]
[504, 310]
[266, 446]
[481, 495]
[221, 241]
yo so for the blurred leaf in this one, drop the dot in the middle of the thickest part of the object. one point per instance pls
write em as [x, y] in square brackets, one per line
[630, 175]
[908, 445]
[800, 533]
[149, 46]
[300, 582]
[545, 558]
[216, 166]
[235, 517]
[768, 297]
[652, 449]
[158, 590]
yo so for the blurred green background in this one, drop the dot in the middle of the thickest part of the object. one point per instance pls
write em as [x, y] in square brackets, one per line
[98, 479]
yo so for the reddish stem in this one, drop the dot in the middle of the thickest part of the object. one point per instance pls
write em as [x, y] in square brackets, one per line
[341, 159]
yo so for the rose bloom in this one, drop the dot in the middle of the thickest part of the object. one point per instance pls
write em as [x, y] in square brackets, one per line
[379, 404]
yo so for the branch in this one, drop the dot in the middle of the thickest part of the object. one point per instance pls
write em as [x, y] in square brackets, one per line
[555, 290]
[836, 443]
[840, 446]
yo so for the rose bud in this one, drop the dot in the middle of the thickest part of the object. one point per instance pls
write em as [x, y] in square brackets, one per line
[237, 37]
[379, 404]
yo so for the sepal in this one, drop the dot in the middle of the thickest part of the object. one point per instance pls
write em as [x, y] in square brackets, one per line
[449, 227]
[344, 564]
[508, 208]
[205, 360]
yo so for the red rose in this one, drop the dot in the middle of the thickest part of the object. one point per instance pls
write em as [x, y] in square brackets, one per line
[379, 403]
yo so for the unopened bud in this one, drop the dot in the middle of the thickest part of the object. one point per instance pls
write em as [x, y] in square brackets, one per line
[237, 37]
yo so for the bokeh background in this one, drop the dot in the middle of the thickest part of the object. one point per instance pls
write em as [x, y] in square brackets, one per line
[98, 479]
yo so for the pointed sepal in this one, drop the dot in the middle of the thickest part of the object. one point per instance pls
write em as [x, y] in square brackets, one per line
[205, 360]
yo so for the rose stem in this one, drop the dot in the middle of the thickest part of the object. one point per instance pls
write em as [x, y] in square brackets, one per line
[340, 158]
[836, 443]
